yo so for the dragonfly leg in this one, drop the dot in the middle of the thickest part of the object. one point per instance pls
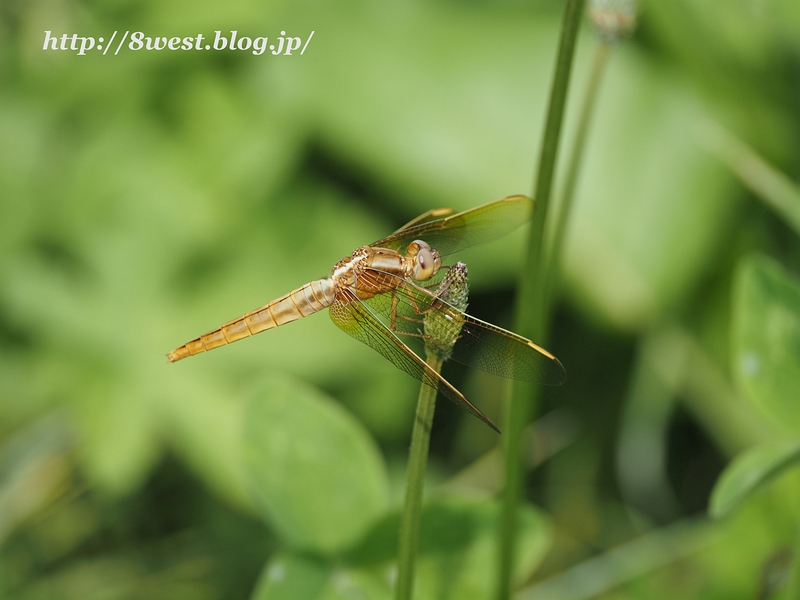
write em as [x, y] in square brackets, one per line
[412, 320]
[395, 316]
[414, 305]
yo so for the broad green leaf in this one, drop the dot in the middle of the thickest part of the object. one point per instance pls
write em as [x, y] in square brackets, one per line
[766, 339]
[315, 472]
[651, 203]
[298, 577]
[206, 423]
[292, 577]
[750, 470]
[457, 553]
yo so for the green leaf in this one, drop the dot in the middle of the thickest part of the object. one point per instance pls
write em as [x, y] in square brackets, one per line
[291, 577]
[651, 203]
[295, 577]
[205, 422]
[766, 339]
[315, 472]
[748, 472]
[458, 548]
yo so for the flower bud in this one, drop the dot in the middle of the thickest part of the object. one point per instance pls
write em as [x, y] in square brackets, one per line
[613, 19]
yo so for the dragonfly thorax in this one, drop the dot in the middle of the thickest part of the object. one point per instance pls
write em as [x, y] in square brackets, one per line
[369, 271]
[344, 272]
[373, 270]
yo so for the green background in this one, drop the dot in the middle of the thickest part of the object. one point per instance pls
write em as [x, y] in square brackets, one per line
[148, 197]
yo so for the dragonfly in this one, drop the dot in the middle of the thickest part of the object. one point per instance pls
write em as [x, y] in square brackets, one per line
[389, 288]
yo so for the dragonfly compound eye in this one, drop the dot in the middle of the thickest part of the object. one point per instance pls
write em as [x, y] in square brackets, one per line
[425, 266]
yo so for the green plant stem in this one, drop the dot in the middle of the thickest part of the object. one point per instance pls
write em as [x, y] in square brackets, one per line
[530, 308]
[415, 482]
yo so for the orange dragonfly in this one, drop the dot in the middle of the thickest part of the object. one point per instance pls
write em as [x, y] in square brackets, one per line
[387, 288]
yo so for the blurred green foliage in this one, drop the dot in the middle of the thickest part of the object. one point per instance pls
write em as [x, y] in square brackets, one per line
[766, 330]
[321, 496]
[148, 197]
[456, 557]
[750, 470]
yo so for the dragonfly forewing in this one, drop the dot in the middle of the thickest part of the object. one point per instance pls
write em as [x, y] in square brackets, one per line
[431, 215]
[462, 230]
[480, 345]
[356, 319]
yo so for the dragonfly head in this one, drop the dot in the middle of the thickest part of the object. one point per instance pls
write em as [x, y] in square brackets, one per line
[426, 260]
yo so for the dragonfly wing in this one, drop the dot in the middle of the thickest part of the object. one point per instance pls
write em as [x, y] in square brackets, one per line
[496, 350]
[479, 344]
[462, 230]
[356, 319]
[431, 215]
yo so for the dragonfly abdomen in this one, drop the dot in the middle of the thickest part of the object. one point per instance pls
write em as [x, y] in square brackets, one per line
[303, 301]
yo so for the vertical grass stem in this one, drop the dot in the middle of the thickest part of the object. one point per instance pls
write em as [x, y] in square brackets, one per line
[530, 309]
[441, 332]
[412, 505]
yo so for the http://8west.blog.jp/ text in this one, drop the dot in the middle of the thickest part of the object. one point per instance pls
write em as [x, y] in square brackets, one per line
[282, 45]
